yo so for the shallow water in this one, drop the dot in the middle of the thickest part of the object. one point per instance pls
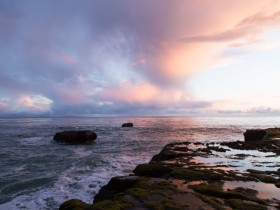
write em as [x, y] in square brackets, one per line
[265, 190]
[250, 159]
[38, 173]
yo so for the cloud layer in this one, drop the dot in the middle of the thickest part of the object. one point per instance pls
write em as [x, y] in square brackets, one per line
[126, 57]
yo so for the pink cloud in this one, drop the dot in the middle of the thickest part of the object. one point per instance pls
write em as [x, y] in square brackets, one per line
[66, 58]
[3, 106]
[207, 32]
[179, 62]
[128, 92]
[148, 94]
[166, 63]
[134, 41]
[33, 103]
[249, 41]
[248, 28]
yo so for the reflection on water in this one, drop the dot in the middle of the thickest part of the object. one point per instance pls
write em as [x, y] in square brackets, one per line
[191, 146]
[241, 160]
[265, 191]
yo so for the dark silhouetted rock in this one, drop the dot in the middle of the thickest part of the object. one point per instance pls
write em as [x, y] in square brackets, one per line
[75, 137]
[262, 134]
[115, 186]
[152, 170]
[128, 124]
[254, 134]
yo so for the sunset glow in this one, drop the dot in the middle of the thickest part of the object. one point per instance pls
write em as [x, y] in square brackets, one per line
[139, 58]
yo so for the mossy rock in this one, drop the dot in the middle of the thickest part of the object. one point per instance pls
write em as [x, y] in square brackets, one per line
[262, 176]
[145, 191]
[214, 202]
[244, 205]
[167, 155]
[75, 204]
[216, 190]
[116, 204]
[196, 175]
[116, 185]
[250, 193]
[165, 205]
[273, 132]
[152, 170]
[138, 193]
[277, 184]
[264, 146]
[253, 171]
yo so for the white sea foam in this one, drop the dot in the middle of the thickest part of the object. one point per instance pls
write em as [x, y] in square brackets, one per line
[34, 141]
[77, 182]
[81, 151]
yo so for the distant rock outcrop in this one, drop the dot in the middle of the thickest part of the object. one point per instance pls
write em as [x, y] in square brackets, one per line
[262, 134]
[255, 134]
[75, 137]
[128, 124]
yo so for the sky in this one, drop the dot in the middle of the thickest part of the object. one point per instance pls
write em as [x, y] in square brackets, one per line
[139, 58]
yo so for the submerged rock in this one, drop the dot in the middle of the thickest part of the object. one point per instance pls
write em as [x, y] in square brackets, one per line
[128, 124]
[75, 137]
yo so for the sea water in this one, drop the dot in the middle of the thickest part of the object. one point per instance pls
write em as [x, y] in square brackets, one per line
[39, 173]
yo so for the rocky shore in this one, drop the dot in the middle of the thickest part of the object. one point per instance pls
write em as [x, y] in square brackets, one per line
[195, 176]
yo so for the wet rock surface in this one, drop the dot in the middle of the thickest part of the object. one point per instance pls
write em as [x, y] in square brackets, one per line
[75, 137]
[191, 176]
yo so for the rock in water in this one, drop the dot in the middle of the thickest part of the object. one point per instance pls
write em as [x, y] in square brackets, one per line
[128, 124]
[273, 133]
[262, 134]
[75, 137]
[254, 134]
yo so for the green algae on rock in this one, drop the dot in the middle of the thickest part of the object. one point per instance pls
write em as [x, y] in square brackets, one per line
[116, 185]
[75, 204]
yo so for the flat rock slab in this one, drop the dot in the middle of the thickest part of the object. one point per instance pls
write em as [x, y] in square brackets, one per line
[75, 137]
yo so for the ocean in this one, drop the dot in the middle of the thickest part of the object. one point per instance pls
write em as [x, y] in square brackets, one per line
[38, 173]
